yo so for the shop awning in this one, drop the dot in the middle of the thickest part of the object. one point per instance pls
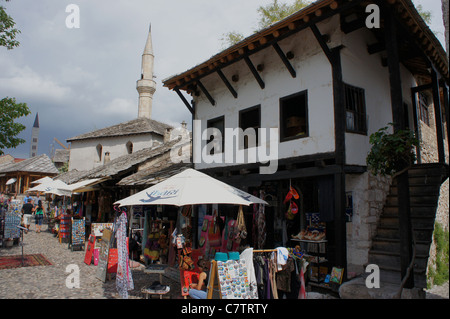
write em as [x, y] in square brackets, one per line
[87, 185]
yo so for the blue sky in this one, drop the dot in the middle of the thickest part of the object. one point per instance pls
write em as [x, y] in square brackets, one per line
[79, 80]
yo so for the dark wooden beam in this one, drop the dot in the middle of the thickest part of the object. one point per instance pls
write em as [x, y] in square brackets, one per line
[340, 229]
[393, 62]
[205, 91]
[339, 106]
[376, 48]
[340, 238]
[438, 115]
[185, 101]
[227, 83]
[334, 57]
[322, 43]
[447, 112]
[284, 59]
[348, 27]
[421, 88]
[257, 179]
[254, 72]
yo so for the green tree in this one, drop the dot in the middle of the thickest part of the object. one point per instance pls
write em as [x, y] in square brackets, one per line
[7, 31]
[426, 15]
[268, 15]
[9, 109]
[275, 11]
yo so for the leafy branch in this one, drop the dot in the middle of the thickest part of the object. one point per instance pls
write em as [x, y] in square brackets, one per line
[7, 31]
[391, 153]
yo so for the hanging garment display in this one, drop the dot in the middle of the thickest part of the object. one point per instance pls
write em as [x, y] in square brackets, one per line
[124, 279]
[261, 224]
[255, 224]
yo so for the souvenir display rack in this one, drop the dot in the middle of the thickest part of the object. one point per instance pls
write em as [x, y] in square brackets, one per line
[77, 234]
[157, 245]
[64, 228]
[315, 251]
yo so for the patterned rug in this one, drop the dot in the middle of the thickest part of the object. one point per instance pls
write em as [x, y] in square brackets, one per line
[8, 262]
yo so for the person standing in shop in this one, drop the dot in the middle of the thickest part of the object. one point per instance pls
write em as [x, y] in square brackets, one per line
[27, 211]
[39, 215]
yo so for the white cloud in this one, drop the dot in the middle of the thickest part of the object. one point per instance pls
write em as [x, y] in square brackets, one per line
[119, 107]
[27, 84]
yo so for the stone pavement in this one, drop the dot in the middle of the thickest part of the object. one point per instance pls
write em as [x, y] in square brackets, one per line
[49, 282]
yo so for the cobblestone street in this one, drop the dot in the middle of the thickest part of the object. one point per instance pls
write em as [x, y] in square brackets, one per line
[49, 282]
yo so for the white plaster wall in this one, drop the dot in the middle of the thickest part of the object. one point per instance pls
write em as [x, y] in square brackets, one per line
[366, 71]
[313, 74]
[83, 154]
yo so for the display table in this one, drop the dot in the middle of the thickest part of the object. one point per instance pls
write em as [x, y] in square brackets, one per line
[316, 249]
[156, 289]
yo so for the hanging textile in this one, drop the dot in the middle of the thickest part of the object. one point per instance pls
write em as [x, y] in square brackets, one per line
[302, 291]
[255, 224]
[124, 280]
[241, 228]
[261, 224]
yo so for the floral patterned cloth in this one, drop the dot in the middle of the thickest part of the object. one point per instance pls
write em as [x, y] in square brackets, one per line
[124, 279]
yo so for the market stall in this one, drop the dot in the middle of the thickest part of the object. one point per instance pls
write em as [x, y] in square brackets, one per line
[187, 190]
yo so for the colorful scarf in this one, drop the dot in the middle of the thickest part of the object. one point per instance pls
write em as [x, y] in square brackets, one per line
[124, 279]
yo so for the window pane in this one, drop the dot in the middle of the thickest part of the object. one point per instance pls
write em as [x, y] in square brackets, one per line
[293, 116]
[355, 105]
[220, 125]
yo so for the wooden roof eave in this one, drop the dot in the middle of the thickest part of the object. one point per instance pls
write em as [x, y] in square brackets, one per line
[313, 13]
[424, 37]
[304, 18]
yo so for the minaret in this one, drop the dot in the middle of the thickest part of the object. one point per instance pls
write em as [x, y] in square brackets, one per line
[146, 86]
[34, 137]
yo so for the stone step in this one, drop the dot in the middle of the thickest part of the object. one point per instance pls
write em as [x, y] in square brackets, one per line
[417, 222]
[393, 245]
[418, 190]
[428, 211]
[429, 169]
[392, 232]
[392, 200]
[393, 276]
[392, 260]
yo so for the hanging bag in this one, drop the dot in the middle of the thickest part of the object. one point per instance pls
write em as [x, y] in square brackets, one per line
[214, 234]
[241, 230]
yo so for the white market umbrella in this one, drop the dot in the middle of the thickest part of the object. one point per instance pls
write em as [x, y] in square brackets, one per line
[48, 187]
[42, 180]
[11, 181]
[57, 187]
[190, 187]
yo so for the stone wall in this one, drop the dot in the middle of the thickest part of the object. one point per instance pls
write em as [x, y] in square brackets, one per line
[369, 196]
[429, 154]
